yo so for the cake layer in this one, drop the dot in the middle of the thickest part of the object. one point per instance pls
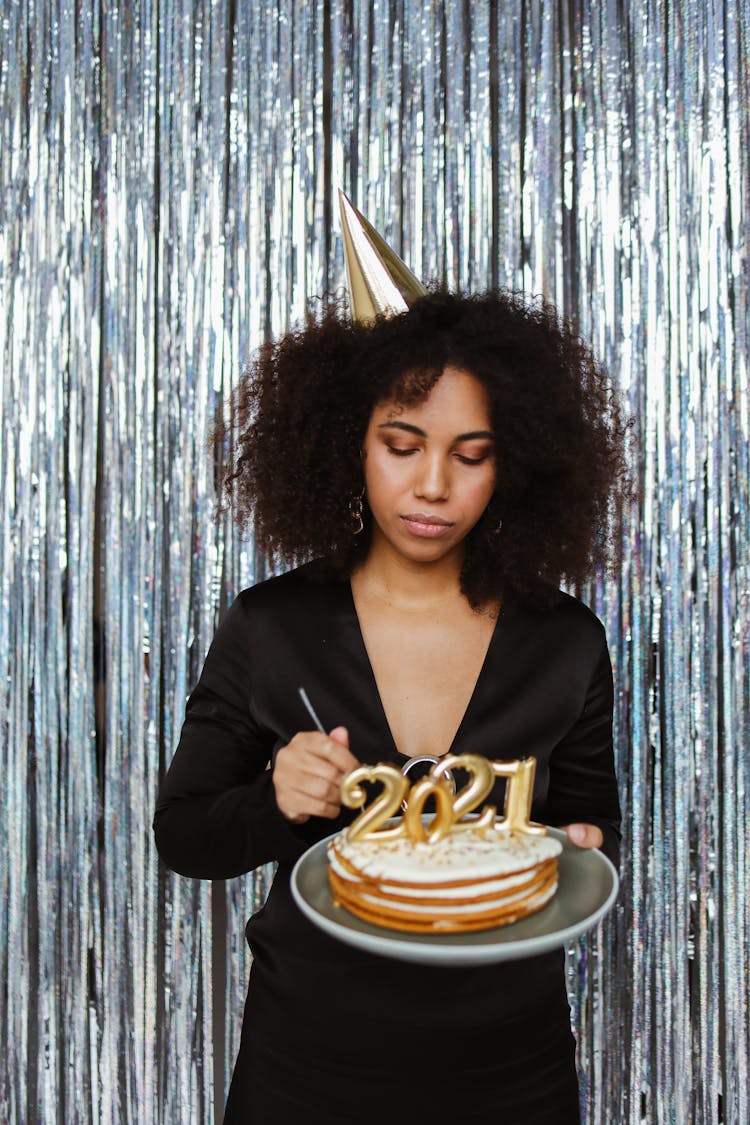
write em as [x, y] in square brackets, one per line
[466, 881]
[372, 899]
[438, 923]
[460, 857]
[437, 893]
[424, 899]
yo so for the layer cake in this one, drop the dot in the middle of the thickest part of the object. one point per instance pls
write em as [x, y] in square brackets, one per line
[469, 880]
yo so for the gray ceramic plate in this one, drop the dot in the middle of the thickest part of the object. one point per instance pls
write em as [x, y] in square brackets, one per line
[587, 890]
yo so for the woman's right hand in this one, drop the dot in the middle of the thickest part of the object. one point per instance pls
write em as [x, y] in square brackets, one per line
[307, 774]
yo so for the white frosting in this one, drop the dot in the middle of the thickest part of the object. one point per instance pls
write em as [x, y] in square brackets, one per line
[450, 910]
[487, 887]
[460, 856]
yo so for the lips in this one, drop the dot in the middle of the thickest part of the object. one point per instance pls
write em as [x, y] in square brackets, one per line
[420, 517]
[425, 526]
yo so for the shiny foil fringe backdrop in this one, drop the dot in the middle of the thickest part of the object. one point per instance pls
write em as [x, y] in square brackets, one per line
[167, 176]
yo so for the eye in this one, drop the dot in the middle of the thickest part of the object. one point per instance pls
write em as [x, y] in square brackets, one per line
[398, 452]
[472, 460]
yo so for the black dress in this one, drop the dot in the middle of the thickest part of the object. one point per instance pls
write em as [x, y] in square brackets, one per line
[332, 1034]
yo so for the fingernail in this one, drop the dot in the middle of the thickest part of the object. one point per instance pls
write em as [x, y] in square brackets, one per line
[577, 833]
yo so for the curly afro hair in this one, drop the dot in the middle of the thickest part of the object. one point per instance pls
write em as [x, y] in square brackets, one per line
[298, 417]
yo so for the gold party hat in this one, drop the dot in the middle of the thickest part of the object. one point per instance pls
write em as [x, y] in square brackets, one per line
[377, 279]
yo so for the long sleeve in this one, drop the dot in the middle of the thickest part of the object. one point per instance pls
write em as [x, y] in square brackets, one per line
[216, 813]
[582, 783]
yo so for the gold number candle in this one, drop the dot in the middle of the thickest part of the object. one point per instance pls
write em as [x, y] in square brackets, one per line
[518, 794]
[443, 820]
[472, 795]
[368, 824]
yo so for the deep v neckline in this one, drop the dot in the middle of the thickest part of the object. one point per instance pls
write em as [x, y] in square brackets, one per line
[375, 690]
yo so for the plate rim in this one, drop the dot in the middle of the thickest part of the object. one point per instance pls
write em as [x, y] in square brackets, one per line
[437, 949]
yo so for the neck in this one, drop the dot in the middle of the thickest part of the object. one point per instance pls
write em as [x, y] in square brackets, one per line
[407, 584]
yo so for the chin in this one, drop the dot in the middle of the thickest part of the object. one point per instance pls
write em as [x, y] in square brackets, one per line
[428, 551]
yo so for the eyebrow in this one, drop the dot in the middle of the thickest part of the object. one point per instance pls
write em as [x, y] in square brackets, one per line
[472, 436]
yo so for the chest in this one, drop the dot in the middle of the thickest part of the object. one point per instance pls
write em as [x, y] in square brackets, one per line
[426, 669]
[417, 689]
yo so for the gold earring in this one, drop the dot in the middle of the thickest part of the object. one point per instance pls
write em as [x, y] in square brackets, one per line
[355, 511]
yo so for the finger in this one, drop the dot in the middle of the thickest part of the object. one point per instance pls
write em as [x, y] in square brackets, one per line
[333, 747]
[315, 765]
[336, 753]
[300, 803]
[314, 808]
[325, 809]
[316, 786]
[585, 835]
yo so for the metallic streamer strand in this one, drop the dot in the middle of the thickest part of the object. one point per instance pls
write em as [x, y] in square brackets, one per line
[167, 175]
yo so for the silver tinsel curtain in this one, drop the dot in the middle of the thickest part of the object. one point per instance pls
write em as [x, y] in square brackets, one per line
[167, 176]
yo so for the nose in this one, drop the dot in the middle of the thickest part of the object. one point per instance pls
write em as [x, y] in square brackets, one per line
[432, 481]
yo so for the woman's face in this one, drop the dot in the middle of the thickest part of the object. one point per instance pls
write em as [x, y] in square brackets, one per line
[429, 468]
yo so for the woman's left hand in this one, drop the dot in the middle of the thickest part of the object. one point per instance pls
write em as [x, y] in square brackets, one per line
[584, 835]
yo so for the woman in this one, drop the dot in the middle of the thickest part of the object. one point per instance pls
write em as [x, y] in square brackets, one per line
[445, 468]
